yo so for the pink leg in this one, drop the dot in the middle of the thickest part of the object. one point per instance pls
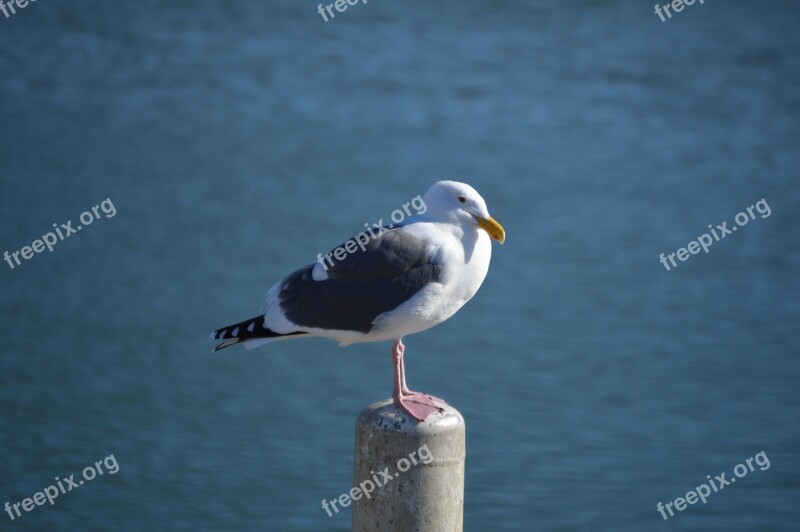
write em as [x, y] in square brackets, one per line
[415, 404]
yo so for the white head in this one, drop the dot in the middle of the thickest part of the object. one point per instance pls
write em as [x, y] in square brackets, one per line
[459, 203]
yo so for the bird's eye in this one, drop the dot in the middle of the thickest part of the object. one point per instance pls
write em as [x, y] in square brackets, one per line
[462, 199]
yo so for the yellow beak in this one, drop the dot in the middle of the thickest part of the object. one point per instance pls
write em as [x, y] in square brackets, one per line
[494, 229]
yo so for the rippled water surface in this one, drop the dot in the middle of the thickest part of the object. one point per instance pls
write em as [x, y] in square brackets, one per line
[237, 140]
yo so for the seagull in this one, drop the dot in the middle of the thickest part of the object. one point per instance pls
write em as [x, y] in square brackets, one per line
[385, 284]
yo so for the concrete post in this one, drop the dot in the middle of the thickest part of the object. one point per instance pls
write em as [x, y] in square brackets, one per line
[404, 497]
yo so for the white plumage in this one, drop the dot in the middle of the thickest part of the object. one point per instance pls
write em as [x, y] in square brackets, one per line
[404, 280]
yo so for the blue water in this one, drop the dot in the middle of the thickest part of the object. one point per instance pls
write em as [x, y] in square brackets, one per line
[237, 140]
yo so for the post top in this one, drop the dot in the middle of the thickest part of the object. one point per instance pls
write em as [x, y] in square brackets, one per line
[386, 416]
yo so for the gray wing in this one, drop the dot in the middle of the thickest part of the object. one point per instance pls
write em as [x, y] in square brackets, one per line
[392, 268]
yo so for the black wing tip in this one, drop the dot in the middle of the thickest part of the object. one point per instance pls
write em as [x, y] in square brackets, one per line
[253, 328]
[227, 343]
[250, 328]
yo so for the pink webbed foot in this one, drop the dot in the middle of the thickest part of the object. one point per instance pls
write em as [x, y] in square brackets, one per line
[416, 404]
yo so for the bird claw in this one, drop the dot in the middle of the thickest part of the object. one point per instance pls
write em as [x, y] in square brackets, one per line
[418, 405]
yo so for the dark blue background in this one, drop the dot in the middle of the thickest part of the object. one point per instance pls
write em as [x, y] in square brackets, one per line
[237, 140]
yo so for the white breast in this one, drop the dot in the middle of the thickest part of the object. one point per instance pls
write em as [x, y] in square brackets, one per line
[465, 260]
